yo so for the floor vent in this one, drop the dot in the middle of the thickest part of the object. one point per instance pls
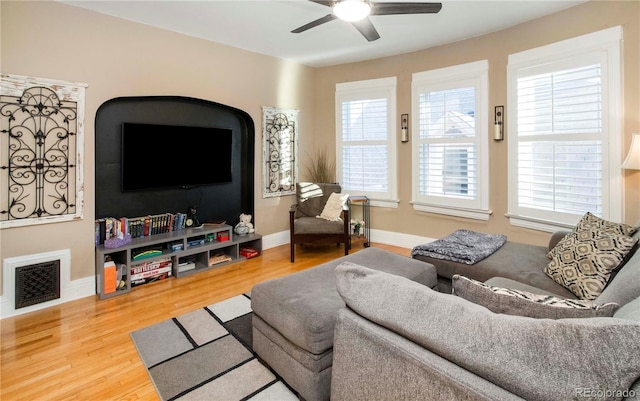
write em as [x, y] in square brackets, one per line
[37, 283]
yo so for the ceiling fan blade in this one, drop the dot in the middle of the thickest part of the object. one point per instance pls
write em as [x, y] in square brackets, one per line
[319, 21]
[328, 3]
[367, 29]
[404, 8]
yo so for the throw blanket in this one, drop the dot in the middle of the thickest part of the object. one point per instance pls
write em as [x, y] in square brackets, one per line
[462, 246]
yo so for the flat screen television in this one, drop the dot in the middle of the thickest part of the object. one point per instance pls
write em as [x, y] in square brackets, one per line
[169, 156]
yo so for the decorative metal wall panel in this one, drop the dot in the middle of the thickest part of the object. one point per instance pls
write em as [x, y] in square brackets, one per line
[41, 151]
[280, 151]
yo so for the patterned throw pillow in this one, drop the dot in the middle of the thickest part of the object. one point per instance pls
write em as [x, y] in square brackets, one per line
[524, 303]
[592, 222]
[583, 261]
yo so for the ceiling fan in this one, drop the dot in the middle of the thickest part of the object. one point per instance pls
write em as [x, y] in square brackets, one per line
[357, 12]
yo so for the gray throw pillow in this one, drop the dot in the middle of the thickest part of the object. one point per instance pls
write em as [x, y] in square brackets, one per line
[524, 303]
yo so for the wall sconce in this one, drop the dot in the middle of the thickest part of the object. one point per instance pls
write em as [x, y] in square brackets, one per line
[404, 128]
[632, 162]
[498, 124]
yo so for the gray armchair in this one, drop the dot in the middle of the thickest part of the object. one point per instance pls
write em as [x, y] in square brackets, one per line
[305, 227]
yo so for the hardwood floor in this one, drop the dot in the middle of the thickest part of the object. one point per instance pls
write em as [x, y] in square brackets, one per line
[81, 350]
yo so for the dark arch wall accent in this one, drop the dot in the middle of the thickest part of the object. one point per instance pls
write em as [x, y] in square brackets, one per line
[219, 201]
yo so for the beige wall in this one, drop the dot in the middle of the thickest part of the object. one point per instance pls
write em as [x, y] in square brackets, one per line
[120, 58]
[589, 17]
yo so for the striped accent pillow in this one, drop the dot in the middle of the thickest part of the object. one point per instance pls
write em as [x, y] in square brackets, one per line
[524, 303]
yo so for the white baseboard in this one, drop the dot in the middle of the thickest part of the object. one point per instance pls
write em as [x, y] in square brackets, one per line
[76, 289]
[275, 239]
[398, 239]
[379, 236]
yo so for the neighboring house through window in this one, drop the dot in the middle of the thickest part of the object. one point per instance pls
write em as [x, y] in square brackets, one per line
[450, 162]
[565, 132]
[366, 139]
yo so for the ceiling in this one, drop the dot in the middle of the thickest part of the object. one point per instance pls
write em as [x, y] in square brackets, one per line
[264, 26]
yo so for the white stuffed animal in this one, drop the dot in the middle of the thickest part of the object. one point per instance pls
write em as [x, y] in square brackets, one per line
[245, 220]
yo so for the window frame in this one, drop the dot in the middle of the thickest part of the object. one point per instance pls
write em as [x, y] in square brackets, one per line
[362, 90]
[474, 74]
[604, 45]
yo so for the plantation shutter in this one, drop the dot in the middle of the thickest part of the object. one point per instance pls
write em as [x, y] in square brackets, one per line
[559, 139]
[448, 152]
[365, 149]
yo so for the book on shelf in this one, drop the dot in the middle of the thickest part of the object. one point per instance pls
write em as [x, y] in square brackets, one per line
[249, 252]
[137, 227]
[152, 273]
[109, 277]
[159, 276]
[151, 269]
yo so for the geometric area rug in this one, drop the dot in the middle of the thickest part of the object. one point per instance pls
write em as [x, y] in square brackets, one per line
[207, 355]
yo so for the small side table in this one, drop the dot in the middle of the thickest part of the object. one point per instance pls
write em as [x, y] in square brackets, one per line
[363, 201]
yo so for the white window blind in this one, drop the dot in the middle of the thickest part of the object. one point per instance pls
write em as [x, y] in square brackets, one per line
[450, 173]
[447, 161]
[365, 139]
[559, 144]
[561, 150]
[365, 154]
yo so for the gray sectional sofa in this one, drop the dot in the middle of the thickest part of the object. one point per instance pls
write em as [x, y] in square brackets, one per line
[396, 340]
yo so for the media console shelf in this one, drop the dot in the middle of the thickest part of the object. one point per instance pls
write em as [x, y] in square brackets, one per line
[197, 246]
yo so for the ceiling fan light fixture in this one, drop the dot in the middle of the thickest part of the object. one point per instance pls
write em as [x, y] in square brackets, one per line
[352, 10]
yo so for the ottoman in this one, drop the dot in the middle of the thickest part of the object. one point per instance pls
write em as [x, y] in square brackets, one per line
[294, 317]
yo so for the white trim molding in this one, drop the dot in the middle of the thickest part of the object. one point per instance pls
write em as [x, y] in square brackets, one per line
[470, 75]
[475, 214]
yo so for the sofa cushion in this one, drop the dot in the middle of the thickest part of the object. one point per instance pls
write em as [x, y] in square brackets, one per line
[540, 359]
[525, 303]
[630, 311]
[302, 306]
[521, 262]
[313, 225]
[583, 261]
[333, 208]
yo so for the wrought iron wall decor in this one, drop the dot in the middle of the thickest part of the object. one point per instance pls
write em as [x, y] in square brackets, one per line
[42, 141]
[280, 151]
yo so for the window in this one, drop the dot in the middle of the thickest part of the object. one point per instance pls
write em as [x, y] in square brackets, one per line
[564, 146]
[366, 139]
[450, 169]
